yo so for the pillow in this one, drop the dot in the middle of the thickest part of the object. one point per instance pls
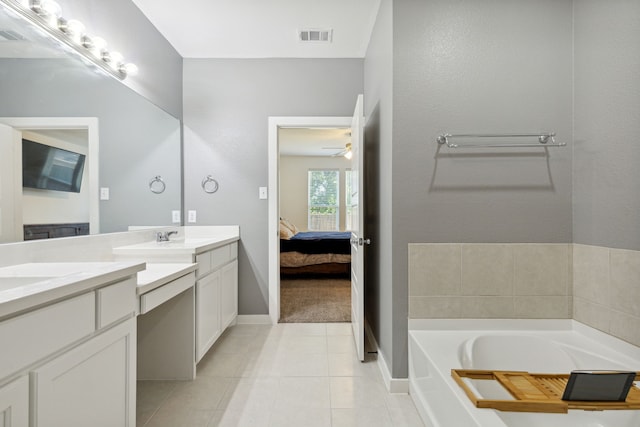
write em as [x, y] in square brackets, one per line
[289, 225]
[285, 232]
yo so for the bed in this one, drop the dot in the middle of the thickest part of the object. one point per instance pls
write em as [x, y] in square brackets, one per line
[314, 252]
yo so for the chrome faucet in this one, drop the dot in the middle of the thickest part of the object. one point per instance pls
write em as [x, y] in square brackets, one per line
[163, 236]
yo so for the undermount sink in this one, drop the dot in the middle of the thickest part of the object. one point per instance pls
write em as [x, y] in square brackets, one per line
[14, 282]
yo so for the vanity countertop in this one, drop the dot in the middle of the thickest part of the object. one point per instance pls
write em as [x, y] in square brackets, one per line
[25, 286]
[180, 245]
[159, 274]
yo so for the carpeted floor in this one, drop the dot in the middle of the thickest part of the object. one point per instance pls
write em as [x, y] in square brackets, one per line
[315, 300]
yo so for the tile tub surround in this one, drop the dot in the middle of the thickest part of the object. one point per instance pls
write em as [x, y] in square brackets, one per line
[606, 285]
[595, 285]
[490, 280]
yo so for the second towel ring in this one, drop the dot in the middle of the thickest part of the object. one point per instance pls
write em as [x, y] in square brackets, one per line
[157, 185]
[210, 185]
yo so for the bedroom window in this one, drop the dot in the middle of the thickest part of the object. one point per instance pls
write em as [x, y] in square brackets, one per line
[324, 200]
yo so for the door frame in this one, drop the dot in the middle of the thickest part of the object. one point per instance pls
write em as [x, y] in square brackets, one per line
[275, 123]
[93, 162]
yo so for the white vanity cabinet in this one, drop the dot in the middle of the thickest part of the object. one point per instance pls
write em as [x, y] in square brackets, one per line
[71, 362]
[215, 251]
[216, 294]
[14, 403]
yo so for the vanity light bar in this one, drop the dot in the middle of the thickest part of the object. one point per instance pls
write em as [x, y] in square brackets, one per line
[46, 16]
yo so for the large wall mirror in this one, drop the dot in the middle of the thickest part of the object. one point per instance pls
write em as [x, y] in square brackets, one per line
[49, 95]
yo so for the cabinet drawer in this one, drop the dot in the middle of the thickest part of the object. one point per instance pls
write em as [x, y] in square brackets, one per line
[152, 299]
[34, 335]
[116, 302]
[204, 264]
[220, 256]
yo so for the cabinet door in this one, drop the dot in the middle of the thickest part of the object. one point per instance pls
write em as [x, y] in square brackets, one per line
[229, 293]
[14, 403]
[90, 385]
[207, 313]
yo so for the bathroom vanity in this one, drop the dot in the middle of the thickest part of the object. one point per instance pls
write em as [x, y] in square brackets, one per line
[214, 252]
[68, 335]
[76, 336]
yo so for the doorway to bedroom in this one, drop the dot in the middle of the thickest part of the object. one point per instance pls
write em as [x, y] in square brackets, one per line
[314, 227]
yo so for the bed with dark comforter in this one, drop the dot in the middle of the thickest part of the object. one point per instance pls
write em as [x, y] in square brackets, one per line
[316, 252]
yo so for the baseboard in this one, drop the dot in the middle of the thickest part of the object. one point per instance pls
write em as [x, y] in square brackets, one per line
[393, 385]
[253, 319]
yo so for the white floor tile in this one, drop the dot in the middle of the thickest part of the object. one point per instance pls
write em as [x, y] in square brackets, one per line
[361, 417]
[357, 392]
[341, 344]
[283, 375]
[303, 365]
[299, 417]
[339, 329]
[304, 328]
[303, 393]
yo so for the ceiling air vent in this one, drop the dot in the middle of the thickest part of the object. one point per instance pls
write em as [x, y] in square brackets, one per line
[10, 35]
[315, 35]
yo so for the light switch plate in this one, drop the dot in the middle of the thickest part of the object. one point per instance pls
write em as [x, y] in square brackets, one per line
[262, 193]
[104, 193]
[191, 216]
[175, 217]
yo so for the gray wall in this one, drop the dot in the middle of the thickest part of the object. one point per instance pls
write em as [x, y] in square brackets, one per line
[378, 99]
[606, 195]
[226, 108]
[128, 31]
[466, 67]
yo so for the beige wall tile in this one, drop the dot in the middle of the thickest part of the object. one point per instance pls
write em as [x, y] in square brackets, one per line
[592, 314]
[434, 307]
[434, 269]
[625, 326]
[591, 273]
[541, 269]
[487, 269]
[487, 307]
[625, 281]
[543, 307]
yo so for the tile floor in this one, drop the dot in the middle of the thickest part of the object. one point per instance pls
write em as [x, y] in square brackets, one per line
[295, 374]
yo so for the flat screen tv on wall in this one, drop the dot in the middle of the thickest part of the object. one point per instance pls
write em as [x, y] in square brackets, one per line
[51, 168]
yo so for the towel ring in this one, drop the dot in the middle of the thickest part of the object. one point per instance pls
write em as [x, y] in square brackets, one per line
[157, 185]
[210, 185]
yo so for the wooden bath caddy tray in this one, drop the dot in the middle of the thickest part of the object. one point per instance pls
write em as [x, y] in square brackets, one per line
[536, 392]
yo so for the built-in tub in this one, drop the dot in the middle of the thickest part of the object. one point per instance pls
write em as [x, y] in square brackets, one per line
[549, 346]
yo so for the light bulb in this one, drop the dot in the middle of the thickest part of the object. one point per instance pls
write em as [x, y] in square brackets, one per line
[130, 69]
[97, 46]
[348, 155]
[115, 60]
[75, 29]
[48, 10]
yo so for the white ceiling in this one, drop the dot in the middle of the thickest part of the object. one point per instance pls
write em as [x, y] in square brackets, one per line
[262, 28]
[313, 141]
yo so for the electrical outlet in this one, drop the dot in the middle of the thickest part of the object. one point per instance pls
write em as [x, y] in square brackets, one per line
[104, 193]
[175, 217]
[191, 216]
[262, 192]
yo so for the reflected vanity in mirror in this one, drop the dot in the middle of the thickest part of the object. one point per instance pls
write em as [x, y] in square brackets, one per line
[51, 96]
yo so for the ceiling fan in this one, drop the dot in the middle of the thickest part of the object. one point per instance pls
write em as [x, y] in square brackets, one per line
[346, 151]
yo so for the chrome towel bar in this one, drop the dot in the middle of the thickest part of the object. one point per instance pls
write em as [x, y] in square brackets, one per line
[544, 140]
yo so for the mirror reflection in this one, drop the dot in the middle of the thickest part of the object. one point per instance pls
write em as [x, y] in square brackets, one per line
[51, 97]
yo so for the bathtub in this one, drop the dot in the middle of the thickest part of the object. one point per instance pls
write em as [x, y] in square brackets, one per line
[549, 346]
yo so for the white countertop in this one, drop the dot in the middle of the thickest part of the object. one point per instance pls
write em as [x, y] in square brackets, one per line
[26, 286]
[160, 274]
[179, 245]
